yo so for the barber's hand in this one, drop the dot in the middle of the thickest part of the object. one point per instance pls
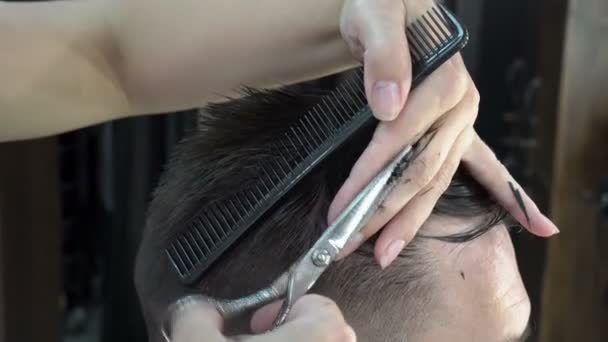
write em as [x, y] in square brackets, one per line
[312, 318]
[445, 103]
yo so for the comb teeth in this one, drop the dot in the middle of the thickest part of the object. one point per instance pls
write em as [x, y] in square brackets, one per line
[434, 38]
[428, 34]
[319, 131]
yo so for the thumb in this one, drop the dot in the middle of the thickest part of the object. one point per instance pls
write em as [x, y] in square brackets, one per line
[194, 321]
[386, 60]
[312, 318]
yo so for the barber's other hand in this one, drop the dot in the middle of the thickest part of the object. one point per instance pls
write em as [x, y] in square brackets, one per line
[446, 103]
[312, 318]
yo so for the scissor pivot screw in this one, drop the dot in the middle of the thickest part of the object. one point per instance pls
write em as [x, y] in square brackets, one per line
[321, 257]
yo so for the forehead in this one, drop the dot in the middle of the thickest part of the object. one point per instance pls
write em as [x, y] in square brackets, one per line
[483, 295]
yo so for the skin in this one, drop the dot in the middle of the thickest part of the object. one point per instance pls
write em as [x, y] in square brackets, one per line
[109, 59]
[314, 318]
[484, 298]
[477, 294]
[477, 290]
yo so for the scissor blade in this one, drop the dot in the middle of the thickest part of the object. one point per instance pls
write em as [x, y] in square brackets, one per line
[352, 219]
[361, 209]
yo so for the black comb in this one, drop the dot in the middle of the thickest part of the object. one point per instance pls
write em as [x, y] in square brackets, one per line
[433, 38]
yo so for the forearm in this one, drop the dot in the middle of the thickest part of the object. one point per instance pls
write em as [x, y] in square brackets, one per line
[69, 64]
[182, 53]
[56, 74]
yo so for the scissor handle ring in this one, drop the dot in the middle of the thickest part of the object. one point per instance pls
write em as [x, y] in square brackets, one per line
[174, 309]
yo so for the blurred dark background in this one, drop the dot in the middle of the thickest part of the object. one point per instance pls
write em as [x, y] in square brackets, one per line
[526, 70]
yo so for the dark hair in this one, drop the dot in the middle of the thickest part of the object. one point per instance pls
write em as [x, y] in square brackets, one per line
[222, 153]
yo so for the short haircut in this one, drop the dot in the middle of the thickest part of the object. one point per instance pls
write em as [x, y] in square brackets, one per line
[221, 154]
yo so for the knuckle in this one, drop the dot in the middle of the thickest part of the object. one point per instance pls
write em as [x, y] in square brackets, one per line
[444, 176]
[472, 98]
[379, 51]
[455, 83]
[442, 183]
[328, 308]
[475, 96]
[461, 84]
[456, 76]
[421, 171]
[376, 54]
[351, 37]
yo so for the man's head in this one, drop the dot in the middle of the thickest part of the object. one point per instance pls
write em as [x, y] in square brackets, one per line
[458, 279]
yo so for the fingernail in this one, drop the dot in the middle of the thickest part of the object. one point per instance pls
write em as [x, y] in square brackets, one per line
[391, 252]
[549, 223]
[351, 246]
[386, 100]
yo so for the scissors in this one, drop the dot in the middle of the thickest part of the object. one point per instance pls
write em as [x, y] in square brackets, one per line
[304, 273]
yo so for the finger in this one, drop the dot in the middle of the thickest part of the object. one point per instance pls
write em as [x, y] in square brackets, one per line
[312, 318]
[494, 176]
[396, 200]
[404, 226]
[264, 317]
[436, 148]
[386, 58]
[194, 321]
[440, 93]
